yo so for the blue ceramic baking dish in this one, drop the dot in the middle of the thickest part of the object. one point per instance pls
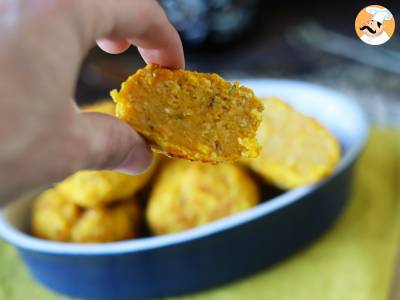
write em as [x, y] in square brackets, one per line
[213, 254]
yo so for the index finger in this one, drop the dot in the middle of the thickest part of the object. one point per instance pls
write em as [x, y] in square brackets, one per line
[142, 23]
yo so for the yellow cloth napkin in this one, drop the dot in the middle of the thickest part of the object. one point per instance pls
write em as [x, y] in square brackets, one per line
[354, 260]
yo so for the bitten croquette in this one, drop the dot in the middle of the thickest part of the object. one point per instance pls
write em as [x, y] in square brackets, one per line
[191, 115]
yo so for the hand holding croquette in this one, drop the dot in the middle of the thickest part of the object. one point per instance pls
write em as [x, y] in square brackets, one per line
[43, 137]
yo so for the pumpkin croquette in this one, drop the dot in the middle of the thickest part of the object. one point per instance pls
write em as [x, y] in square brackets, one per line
[191, 115]
[98, 188]
[189, 194]
[296, 149]
[56, 218]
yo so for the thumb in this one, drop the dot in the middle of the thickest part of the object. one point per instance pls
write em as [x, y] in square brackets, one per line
[112, 144]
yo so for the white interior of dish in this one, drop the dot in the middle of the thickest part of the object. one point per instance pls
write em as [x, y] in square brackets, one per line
[336, 111]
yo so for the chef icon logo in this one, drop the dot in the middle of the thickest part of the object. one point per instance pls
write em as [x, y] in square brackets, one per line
[375, 25]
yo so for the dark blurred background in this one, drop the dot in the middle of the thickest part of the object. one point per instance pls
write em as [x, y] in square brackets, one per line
[287, 39]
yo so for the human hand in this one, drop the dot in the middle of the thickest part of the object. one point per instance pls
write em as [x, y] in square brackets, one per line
[43, 136]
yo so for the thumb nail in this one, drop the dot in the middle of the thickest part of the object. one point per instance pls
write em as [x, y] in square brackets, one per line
[137, 161]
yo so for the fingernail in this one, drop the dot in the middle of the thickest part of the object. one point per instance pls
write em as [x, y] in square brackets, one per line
[138, 160]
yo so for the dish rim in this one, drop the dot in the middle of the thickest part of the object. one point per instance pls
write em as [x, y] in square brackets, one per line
[28, 242]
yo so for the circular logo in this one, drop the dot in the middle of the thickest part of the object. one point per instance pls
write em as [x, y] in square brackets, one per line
[375, 25]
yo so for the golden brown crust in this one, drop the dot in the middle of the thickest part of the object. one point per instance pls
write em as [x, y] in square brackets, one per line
[98, 188]
[53, 216]
[120, 221]
[56, 218]
[189, 194]
[296, 149]
[190, 115]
